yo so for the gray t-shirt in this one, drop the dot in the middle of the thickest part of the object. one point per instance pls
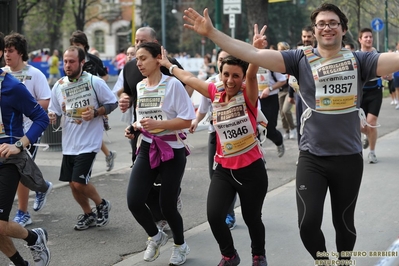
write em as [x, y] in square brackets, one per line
[329, 134]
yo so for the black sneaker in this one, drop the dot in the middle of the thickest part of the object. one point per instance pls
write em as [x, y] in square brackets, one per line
[103, 213]
[86, 221]
[259, 261]
[233, 261]
[40, 251]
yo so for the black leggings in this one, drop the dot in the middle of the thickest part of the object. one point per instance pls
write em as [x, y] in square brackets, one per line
[342, 175]
[211, 160]
[251, 185]
[270, 108]
[141, 182]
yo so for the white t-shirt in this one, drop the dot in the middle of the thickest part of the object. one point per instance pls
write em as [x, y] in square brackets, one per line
[87, 136]
[176, 104]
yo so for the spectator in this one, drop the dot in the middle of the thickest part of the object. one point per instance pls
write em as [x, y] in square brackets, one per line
[54, 71]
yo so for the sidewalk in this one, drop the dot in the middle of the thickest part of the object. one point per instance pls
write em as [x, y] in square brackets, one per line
[376, 220]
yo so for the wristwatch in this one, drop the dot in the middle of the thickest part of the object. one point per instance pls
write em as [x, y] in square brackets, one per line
[19, 145]
[171, 69]
[95, 112]
[270, 88]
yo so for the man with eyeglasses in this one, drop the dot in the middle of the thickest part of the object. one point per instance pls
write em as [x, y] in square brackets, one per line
[331, 79]
[371, 100]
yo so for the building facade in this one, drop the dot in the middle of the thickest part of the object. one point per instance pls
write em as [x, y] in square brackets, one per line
[111, 30]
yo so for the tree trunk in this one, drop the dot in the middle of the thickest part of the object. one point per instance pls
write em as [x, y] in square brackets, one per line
[56, 9]
[79, 12]
[257, 13]
[23, 8]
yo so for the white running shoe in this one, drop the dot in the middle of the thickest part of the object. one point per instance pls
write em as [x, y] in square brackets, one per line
[179, 254]
[280, 150]
[163, 225]
[372, 158]
[110, 160]
[153, 247]
[41, 198]
[293, 134]
[40, 252]
[286, 136]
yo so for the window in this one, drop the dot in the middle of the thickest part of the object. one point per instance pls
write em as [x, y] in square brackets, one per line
[99, 41]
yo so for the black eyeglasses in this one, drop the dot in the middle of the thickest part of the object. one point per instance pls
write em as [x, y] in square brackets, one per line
[331, 25]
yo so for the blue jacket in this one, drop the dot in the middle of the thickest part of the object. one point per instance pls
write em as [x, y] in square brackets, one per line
[16, 101]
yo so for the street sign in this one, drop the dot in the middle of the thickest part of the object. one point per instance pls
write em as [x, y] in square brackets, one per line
[231, 7]
[232, 21]
[377, 24]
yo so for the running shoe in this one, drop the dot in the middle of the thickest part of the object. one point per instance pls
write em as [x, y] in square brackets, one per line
[41, 198]
[372, 158]
[110, 160]
[293, 134]
[286, 136]
[179, 254]
[259, 261]
[280, 150]
[163, 225]
[18, 216]
[233, 261]
[86, 221]
[153, 247]
[231, 221]
[103, 213]
[365, 142]
[23, 218]
[40, 251]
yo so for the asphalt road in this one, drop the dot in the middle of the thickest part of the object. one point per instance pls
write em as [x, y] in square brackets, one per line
[123, 236]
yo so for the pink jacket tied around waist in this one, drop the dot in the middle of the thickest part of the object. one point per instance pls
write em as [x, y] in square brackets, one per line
[160, 150]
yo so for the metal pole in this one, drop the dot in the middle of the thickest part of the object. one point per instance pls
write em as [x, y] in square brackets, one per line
[378, 40]
[163, 24]
[218, 14]
[386, 25]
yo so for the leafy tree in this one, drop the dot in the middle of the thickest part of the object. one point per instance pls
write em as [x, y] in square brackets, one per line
[257, 13]
[55, 14]
[151, 16]
[290, 27]
[79, 12]
[23, 9]
[192, 42]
